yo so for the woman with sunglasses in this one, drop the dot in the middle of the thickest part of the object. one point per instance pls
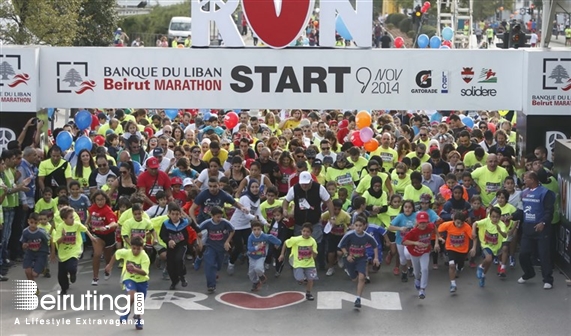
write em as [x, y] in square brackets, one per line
[195, 159]
[374, 170]
[82, 171]
[126, 184]
[237, 172]
[400, 178]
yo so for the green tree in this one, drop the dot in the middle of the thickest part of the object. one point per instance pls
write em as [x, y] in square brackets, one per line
[98, 20]
[156, 22]
[483, 10]
[52, 22]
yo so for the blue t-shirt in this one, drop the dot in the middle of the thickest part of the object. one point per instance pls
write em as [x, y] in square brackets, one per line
[356, 244]
[80, 206]
[258, 246]
[376, 232]
[191, 173]
[403, 221]
[37, 241]
[217, 233]
[206, 200]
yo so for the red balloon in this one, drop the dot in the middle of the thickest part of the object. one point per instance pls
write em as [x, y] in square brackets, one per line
[150, 131]
[231, 120]
[447, 43]
[427, 4]
[399, 42]
[356, 139]
[99, 140]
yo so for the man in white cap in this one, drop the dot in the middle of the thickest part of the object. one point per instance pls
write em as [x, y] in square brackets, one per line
[307, 197]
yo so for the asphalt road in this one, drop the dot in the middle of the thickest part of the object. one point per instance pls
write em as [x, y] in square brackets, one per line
[389, 306]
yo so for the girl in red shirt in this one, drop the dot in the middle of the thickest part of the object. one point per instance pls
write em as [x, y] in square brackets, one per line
[417, 242]
[102, 222]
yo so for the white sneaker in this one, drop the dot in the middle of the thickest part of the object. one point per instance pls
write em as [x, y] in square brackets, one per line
[230, 269]
[547, 286]
[330, 271]
[94, 282]
[340, 262]
[521, 281]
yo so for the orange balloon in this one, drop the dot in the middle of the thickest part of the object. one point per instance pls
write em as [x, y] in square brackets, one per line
[363, 119]
[371, 145]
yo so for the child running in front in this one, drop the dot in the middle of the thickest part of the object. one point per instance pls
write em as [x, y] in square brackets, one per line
[135, 274]
[218, 237]
[354, 247]
[35, 244]
[458, 236]
[257, 250]
[303, 253]
[417, 242]
[491, 234]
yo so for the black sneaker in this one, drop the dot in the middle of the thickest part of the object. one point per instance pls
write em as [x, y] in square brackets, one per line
[358, 303]
[211, 289]
[63, 292]
[172, 287]
[410, 272]
[72, 277]
[367, 280]
[183, 282]
[263, 278]
[309, 297]
[256, 286]
[47, 274]
[404, 277]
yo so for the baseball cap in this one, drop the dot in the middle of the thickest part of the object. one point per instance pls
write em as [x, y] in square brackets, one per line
[158, 151]
[176, 180]
[153, 163]
[422, 217]
[187, 182]
[305, 178]
[317, 163]
[425, 198]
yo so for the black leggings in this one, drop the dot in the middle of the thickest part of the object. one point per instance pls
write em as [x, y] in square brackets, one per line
[175, 262]
[239, 240]
[433, 254]
[64, 268]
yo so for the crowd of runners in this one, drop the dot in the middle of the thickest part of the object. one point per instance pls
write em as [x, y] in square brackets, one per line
[274, 190]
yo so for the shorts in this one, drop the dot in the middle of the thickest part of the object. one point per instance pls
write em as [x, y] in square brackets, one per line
[457, 258]
[118, 238]
[36, 261]
[138, 287]
[333, 243]
[392, 236]
[159, 248]
[488, 250]
[356, 267]
[108, 238]
[308, 273]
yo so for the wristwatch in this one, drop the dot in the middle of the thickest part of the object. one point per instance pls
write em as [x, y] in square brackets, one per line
[345, 255]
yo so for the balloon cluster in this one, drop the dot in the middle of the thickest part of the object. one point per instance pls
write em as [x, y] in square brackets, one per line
[83, 121]
[425, 7]
[364, 137]
[435, 42]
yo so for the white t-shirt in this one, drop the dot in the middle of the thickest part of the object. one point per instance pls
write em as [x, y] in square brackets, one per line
[533, 38]
[203, 178]
[323, 194]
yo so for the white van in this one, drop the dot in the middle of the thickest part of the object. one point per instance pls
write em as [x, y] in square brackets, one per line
[179, 28]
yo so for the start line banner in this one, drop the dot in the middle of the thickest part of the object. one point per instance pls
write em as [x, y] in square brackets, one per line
[291, 78]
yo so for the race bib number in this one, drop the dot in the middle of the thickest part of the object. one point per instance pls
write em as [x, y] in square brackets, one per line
[457, 241]
[304, 204]
[491, 238]
[304, 252]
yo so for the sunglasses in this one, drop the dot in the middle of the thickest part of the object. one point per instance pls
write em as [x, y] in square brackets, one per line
[171, 147]
[401, 173]
[102, 165]
[373, 170]
[226, 145]
[460, 169]
[195, 152]
[325, 148]
[300, 156]
[423, 135]
[124, 172]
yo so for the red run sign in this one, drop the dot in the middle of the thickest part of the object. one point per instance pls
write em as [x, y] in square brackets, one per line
[278, 23]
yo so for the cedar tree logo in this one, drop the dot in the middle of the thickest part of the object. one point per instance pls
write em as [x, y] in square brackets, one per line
[556, 74]
[72, 77]
[11, 71]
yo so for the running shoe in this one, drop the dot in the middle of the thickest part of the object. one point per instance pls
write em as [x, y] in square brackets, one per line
[396, 271]
[358, 303]
[452, 288]
[197, 263]
[94, 282]
[230, 269]
[512, 262]
[482, 281]
[479, 272]
[330, 271]
[421, 294]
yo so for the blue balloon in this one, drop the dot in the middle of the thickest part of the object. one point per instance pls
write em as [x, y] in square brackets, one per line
[83, 120]
[342, 29]
[64, 140]
[51, 112]
[82, 143]
[422, 41]
[171, 113]
[436, 117]
[435, 42]
[447, 33]
[444, 47]
[468, 122]
[137, 167]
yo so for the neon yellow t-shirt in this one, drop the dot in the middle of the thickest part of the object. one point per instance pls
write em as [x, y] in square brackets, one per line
[359, 165]
[342, 222]
[128, 214]
[507, 209]
[302, 251]
[388, 216]
[489, 182]
[140, 261]
[344, 178]
[470, 159]
[72, 244]
[157, 223]
[48, 228]
[84, 180]
[58, 221]
[390, 157]
[381, 201]
[410, 193]
[399, 185]
[42, 205]
[424, 159]
[131, 228]
[489, 235]
[267, 209]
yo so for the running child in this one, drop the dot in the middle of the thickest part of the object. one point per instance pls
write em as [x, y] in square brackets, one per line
[258, 244]
[68, 242]
[138, 226]
[458, 237]
[335, 229]
[135, 274]
[491, 232]
[44, 224]
[417, 242]
[392, 212]
[303, 253]
[354, 248]
[382, 239]
[402, 224]
[219, 234]
[281, 228]
[36, 248]
[102, 223]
